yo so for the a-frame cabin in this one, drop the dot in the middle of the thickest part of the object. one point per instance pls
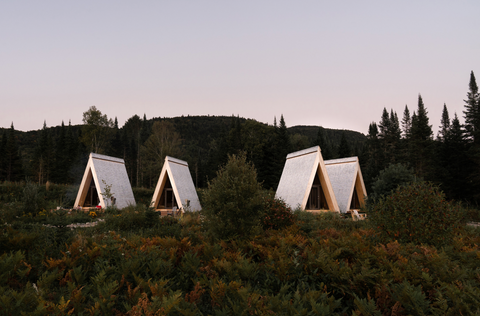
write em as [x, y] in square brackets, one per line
[347, 182]
[305, 184]
[175, 188]
[103, 172]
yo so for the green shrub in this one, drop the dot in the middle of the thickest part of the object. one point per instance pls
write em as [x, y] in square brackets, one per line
[416, 213]
[389, 179]
[277, 214]
[309, 222]
[232, 204]
[33, 200]
[131, 218]
[11, 191]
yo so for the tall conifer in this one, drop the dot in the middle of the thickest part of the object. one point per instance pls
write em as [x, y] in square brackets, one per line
[3, 147]
[344, 149]
[13, 163]
[421, 140]
[324, 145]
[472, 111]
[444, 127]
[406, 123]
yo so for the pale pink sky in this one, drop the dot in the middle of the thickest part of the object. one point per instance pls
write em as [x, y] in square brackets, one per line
[329, 63]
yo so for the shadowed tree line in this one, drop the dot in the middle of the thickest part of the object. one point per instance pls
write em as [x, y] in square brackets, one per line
[451, 159]
[59, 154]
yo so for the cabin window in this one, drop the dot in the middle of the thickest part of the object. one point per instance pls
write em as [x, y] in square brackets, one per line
[316, 199]
[91, 200]
[167, 199]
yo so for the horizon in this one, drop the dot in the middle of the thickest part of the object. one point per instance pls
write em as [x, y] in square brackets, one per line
[335, 65]
[154, 118]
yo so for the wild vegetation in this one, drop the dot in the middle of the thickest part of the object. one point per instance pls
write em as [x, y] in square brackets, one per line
[415, 256]
[246, 252]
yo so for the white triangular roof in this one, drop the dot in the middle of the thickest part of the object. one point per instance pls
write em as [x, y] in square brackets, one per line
[345, 176]
[182, 184]
[298, 175]
[106, 170]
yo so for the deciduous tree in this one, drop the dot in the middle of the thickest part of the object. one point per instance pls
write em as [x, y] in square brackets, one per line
[96, 130]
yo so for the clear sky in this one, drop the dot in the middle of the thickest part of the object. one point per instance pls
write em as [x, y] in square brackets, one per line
[331, 63]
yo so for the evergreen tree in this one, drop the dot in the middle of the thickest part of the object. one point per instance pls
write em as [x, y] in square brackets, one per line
[133, 128]
[472, 135]
[44, 155]
[61, 167]
[406, 123]
[444, 127]
[389, 135]
[460, 187]
[452, 163]
[282, 146]
[324, 146]
[116, 144]
[384, 126]
[375, 161]
[283, 138]
[344, 148]
[3, 147]
[421, 141]
[472, 112]
[13, 163]
[235, 141]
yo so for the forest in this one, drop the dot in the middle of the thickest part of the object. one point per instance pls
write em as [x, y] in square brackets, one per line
[58, 154]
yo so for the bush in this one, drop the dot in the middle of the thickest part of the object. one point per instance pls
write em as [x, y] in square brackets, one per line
[233, 202]
[131, 218]
[33, 200]
[389, 179]
[416, 213]
[277, 214]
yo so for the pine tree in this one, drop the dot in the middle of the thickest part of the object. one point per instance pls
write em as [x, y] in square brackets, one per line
[13, 163]
[406, 123]
[283, 137]
[3, 148]
[375, 161]
[60, 171]
[384, 126]
[472, 111]
[344, 148]
[324, 146]
[235, 138]
[445, 125]
[116, 144]
[421, 141]
[43, 155]
[389, 135]
[472, 135]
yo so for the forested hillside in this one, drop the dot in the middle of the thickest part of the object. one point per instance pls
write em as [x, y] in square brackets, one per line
[59, 154]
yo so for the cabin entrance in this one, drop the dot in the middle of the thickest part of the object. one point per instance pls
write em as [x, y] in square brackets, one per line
[167, 199]
[91, 200]
[316, 199]
[355, 204]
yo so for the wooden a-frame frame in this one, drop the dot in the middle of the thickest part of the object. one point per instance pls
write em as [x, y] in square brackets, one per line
[347, 182]
[103, 171]
[301, 170]
[176, 173]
